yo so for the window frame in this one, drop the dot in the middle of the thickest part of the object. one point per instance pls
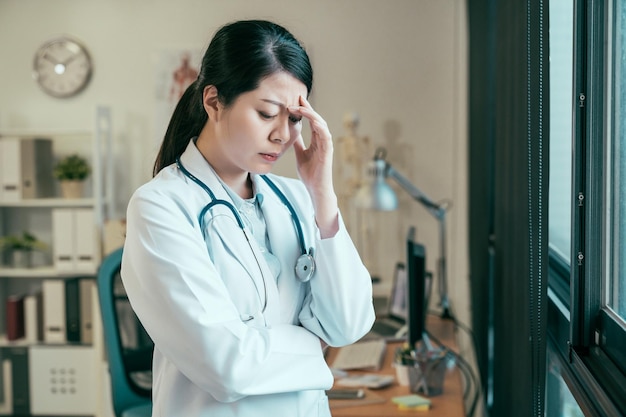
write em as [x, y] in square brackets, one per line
[585, 335]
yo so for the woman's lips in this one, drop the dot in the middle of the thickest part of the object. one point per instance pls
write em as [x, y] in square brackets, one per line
[271, 157]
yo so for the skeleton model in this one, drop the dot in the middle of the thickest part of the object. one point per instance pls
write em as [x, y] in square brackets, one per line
[352, 154]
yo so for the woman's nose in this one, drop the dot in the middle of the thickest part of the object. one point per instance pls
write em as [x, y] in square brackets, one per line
[281, 132]
[277, 139]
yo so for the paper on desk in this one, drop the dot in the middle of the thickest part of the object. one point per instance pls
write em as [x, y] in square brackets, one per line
[366, 380]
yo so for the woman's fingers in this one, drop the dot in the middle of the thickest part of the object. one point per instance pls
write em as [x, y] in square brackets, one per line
[299, 145]
[318, 125]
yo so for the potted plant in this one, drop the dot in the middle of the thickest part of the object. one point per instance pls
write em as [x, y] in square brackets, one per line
[71, 171]
[20, 248]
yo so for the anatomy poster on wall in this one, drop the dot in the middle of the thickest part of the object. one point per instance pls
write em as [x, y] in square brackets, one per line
[176, 69]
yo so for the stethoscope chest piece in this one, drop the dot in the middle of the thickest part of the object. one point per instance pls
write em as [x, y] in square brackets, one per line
[305, 266]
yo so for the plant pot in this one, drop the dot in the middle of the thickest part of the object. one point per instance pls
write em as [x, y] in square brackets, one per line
[21, 258]
[72, 188]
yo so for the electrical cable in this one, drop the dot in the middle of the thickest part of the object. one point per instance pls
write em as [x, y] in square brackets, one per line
[472, 336]
[478, 383]
[470, 378]
[463, 367]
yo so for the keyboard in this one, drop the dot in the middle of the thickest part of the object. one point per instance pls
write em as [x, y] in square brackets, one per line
[368, 354]
[384, 328]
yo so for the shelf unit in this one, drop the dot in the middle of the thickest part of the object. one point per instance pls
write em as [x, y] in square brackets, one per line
[41, 375]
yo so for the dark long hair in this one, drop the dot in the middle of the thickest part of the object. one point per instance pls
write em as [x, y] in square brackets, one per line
[240, 55]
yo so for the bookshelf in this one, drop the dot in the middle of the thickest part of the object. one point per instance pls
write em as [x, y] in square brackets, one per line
[51, 348]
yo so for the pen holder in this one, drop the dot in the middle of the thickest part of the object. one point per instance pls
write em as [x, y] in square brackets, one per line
[422, 371]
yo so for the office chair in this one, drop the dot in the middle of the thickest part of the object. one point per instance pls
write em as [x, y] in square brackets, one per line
[128, 347]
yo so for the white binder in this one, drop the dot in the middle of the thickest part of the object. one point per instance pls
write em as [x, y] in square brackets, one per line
[85, 240]
[54, 330]
[75, 246]
[31, 316]
[10, 169]
[6, 405]
[63, 238]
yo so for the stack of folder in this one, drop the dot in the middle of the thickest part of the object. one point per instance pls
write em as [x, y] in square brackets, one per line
[61, 312]
[25, 169]
[74, 240]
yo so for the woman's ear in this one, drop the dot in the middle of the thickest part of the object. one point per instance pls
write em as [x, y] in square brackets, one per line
[211, 102]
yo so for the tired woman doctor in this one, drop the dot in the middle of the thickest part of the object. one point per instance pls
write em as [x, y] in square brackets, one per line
[241, 277]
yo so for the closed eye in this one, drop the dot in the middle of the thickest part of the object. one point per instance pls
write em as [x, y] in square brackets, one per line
[266, 116]
[295, 119]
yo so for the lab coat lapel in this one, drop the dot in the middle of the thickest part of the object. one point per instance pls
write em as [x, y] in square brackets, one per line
[246, 251]
[284, 245]
[225, 227]
[234, 239]
[248, 254]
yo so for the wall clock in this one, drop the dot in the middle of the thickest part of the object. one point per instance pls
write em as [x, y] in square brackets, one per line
[62, 67]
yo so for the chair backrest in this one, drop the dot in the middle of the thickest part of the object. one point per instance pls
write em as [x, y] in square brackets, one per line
[129, 349]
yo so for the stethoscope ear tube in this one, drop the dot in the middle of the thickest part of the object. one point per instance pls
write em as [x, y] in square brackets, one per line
[305, 264]
[292, 211]
[215, 203]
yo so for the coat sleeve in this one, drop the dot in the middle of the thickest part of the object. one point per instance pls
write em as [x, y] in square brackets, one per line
[339, 307]
[186, 309]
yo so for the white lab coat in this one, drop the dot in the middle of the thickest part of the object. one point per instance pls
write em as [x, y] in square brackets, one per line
[200, 295]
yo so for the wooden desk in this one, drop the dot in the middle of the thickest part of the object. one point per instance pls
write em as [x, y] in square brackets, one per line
[448, 404]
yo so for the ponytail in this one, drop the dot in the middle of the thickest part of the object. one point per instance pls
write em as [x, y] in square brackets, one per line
[187, 121]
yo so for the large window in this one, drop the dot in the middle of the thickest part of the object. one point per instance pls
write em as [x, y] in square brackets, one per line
[587, 221]
[616, 288]
[559, 402]
[561, 85]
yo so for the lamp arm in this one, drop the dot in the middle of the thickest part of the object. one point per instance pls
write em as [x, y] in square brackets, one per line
[435, 209]
[439, 212]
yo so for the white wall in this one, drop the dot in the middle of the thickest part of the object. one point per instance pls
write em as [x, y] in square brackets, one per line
[399, 62]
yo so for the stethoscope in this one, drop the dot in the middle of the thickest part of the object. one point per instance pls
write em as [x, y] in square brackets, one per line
[305, 264]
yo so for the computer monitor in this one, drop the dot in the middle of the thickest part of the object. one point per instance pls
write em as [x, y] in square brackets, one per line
[399, 301]
[418, 289]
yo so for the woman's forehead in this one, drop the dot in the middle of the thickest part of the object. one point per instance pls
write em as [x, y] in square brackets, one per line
[281, 89]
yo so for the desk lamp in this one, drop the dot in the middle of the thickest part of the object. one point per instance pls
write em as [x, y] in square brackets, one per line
[378, 195]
